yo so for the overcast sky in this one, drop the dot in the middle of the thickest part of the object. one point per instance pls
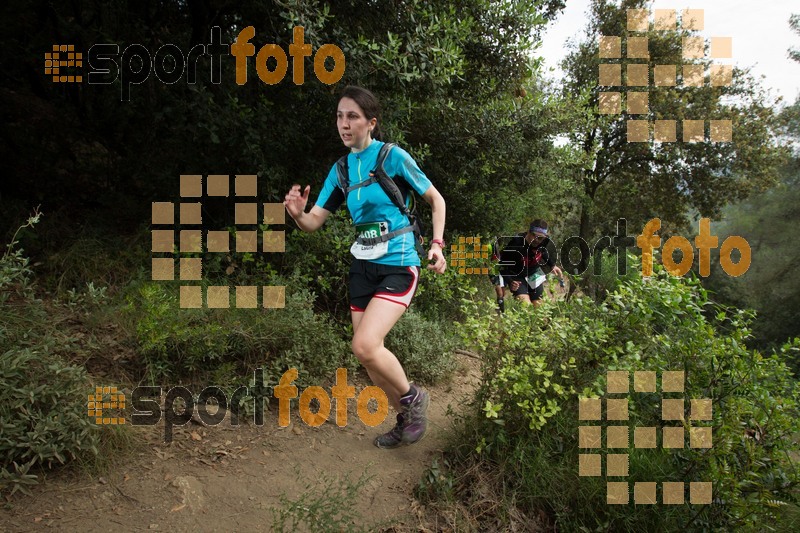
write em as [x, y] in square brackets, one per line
[759, 29]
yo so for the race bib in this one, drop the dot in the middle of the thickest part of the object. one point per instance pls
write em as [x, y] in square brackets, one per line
[536, 279]
[370, 230]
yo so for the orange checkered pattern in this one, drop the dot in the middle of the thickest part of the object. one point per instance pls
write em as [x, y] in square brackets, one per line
[103, 400]
[618, 437]
[192, 239]
[461, 254]
[62, 57]
[638, 77]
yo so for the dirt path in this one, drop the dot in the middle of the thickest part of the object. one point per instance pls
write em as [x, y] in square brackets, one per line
[225, 478]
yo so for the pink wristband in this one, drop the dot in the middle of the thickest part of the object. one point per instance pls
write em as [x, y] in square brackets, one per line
[440, 242]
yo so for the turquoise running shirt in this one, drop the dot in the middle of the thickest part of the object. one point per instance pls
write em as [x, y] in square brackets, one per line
[370, 204]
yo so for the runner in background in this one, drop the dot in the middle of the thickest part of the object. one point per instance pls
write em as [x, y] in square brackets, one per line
[525, 262]
[496, 278]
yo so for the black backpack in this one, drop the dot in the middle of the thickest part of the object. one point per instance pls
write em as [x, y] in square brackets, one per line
[392, 190]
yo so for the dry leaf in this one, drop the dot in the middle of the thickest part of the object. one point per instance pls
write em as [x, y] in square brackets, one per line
[177, 508]
[196, 436]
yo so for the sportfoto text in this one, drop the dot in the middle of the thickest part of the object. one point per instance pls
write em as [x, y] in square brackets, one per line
[647, 242]
[170, 64]
[147, 409]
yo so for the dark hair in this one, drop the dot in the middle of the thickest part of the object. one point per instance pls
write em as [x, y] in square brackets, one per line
[368, 103]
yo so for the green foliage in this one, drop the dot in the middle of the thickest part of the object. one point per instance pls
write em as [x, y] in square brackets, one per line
[492, 158]
[88, 257]
[450, 79]
[439, 296]
[320, 261]
[535, 359]
[528, 374]
[178, 342]
[437, 484]
[328, 504]
[424, 347]
[43, 418]
[15, 270]
[794, 23]
[604, 275]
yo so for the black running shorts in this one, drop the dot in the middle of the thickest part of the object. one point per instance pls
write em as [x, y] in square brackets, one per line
[370, 280]
[524, 288]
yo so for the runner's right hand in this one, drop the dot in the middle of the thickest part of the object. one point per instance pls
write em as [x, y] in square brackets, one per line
[295, 201]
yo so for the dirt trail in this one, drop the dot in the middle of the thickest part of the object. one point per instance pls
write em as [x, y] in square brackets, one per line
[228, 478]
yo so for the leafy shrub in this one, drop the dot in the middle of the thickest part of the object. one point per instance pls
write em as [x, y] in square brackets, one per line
[43, 418]
[320, 262]
[537, 362]
[439, 296]
[603, 275]
[180, 343]
[424, 347]
[15, 270]
[87, 255]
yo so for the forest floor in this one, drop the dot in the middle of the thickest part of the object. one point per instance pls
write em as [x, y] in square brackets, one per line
[226, 477]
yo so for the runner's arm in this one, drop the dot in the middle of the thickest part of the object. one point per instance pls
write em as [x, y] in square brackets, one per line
[295, 203]
[438, 209]
[313, 220]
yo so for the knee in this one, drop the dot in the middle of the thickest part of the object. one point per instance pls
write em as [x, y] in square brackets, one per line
[364, 349]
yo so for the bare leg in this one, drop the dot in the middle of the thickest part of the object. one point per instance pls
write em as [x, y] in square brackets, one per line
[369, 330]
[376, 378]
